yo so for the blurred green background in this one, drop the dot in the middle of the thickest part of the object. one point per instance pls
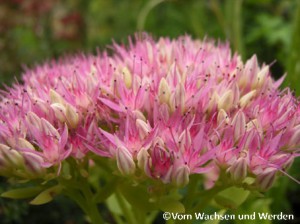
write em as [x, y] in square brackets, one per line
[34, 31]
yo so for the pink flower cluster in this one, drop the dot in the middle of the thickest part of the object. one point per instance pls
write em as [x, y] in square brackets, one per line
[169, 108]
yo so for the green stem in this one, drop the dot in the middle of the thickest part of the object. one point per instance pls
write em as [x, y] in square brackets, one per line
[84, 200]
[93, 211]
[208, 195]
[78, 189]
[192, 189]
[216, 9]
[145, 11]
[293, 63]
[234, 24]
[126, 211]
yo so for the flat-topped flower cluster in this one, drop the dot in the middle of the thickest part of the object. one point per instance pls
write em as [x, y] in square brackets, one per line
[169, 109]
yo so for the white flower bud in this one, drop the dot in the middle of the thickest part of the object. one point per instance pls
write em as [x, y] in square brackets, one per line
[226, 100]
[12, 157]
[295, 139]
[24, 144]
[238, 169]
[180, 96]
[266, 179]
[253, 124]
[181, 176]
[33, 119]
[139, 115]
[143, 128]
[56, 98]
[142, 159]
[222, 116]
[127, 77]
[125, 161]
[261, 77]
[239, 124]
[72, 116]
[246, 98]
[59, 111]
[164, 91]
[48, 129]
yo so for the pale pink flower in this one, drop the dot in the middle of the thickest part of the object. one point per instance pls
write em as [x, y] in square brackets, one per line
[169, 108]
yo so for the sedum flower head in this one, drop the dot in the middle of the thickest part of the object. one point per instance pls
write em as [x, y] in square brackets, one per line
[168, 108]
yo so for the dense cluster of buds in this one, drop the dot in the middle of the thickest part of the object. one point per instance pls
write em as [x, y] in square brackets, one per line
[167, 109]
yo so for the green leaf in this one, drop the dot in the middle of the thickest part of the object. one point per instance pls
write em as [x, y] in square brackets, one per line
[138, 197]
[113, 205]
[168, 204]
[232, 197]
[215, 221]
[106, 191]
[46, 196]
[22, 193]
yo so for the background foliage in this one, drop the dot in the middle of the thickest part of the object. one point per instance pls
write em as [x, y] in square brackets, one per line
[33, 31]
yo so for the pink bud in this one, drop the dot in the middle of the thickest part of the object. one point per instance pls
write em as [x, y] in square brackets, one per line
[125, 161]
[33, 119]
[244, 101]
[181, 176]
[266, 179]
[225, 102]
[164, 91]
[238, 169]
[72, 116]
[55, 97]
[143, 128]
[295, 139]
[239, 125]
[59, 111]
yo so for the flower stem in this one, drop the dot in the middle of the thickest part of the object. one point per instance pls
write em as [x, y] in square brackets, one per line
[126, 211]
[78, 190]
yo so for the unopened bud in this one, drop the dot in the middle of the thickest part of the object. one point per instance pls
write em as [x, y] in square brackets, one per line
[226, 100]
[180, 96]
[142, 159]
[33, 119]
[261, 77]
[13, 157]
[265, 179]
[295, 139]
[139, 115]
[164, 91]
[72, 116]
[24, 144]
[127, 77]
[222, 117]
[239, 124]
[125, 161]
[48, 129]
[33, 163]
[59, 111]
[181, 177]
[41, 105]
[213, 101]
[56, 98]
[252, 124]
[238, 169]
[246, 98]
[143, 128]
